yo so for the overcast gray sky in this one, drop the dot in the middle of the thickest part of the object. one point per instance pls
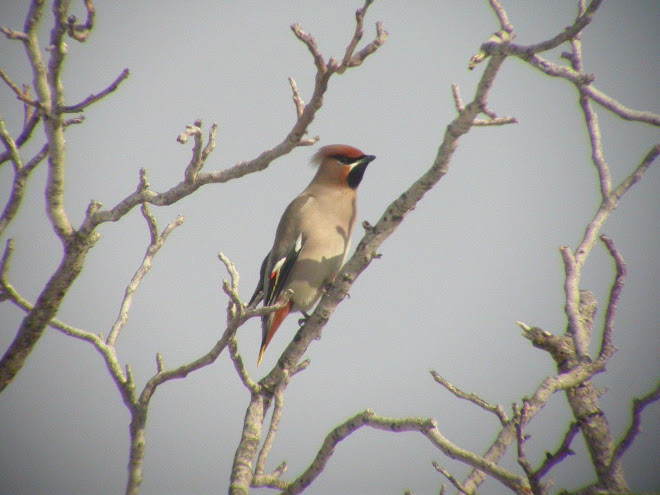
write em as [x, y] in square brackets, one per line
[479, 253]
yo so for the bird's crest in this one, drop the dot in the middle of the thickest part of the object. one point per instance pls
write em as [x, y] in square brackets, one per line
[336, 150]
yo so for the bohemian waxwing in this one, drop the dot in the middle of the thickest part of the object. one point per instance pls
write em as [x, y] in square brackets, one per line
[313, 236]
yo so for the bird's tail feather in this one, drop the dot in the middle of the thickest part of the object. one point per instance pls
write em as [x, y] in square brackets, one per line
[271, 324]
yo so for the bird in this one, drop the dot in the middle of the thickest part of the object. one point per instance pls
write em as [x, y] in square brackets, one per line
[313, 237]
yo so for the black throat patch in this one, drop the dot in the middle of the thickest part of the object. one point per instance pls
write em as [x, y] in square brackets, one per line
[355, 175]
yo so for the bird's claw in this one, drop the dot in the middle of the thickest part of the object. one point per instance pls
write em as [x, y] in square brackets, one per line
[304, 319]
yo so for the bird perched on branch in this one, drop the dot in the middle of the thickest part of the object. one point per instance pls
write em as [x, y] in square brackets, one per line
[313, 236]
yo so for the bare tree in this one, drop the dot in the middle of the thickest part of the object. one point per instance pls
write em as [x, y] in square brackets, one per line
[569, 350]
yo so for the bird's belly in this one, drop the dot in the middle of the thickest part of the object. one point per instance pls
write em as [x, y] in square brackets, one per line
[308, 278]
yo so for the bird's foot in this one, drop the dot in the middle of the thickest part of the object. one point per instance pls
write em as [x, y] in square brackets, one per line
[304, 319]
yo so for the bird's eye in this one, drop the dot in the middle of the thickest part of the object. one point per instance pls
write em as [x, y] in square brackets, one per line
[343, 159]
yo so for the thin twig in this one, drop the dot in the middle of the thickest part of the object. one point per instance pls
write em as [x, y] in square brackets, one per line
[210, 142]
[427, 427]
[606, 208]
[154, 246]
[93, 98]
[458, 101]
[615, 293]
[638, 406]
[473, 398]
[80, 32]
[297, 100]
[357, 36]
[21, 95]
[274, 425]
[248, 382]
[562, 452]
[25, 134]
[231, 289]
[14, 35]
[313, 48]
[457, 484]
[18, 187]
[10, 146]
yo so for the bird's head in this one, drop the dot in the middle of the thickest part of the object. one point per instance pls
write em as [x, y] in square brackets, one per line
[340, 163]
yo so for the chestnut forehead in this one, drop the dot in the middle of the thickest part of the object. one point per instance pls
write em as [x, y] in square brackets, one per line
[335, 150]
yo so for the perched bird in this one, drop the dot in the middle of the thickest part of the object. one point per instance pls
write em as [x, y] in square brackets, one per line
[313, 236]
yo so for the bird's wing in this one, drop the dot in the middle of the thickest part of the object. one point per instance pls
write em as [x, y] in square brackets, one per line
[260, 285]
[280, 270]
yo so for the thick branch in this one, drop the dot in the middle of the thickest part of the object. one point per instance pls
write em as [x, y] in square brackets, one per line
[389, 221]
[44, 310]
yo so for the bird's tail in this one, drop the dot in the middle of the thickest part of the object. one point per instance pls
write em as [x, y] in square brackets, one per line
[270, 325]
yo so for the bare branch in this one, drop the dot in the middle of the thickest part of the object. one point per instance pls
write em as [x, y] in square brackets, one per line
[235, 306]
[391, 218]
[638, 406]
[269, 481]
[570, 32]
[44, 309]
[354, 60]
[123, 382]
[564, 381]
[154, 246]
[28, 127]
[10, 146]
[572, 306]
[502, 16]
[426, 427]
[637, 174]
[80, 32]
[458, 101]
[297, 100]
[310, 42]
[450, 477]
[274, 425]
[473, 398]
[378, 41]
[93, 98]
[4, 265]
[20, 94]
[621, 110]
[248, 382]
[519, 421]
[14, 35]
[196, 162]
[603, 213]
[562, 452]
[357, 36]
[195, 179]
[615, 293]
[210, 142]
[493, 118]
[18, 188]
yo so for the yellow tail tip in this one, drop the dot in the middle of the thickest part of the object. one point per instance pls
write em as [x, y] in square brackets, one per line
[261, 355]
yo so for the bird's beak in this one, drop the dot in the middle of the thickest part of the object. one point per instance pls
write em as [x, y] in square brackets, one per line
[367, 159]
[354, 177]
